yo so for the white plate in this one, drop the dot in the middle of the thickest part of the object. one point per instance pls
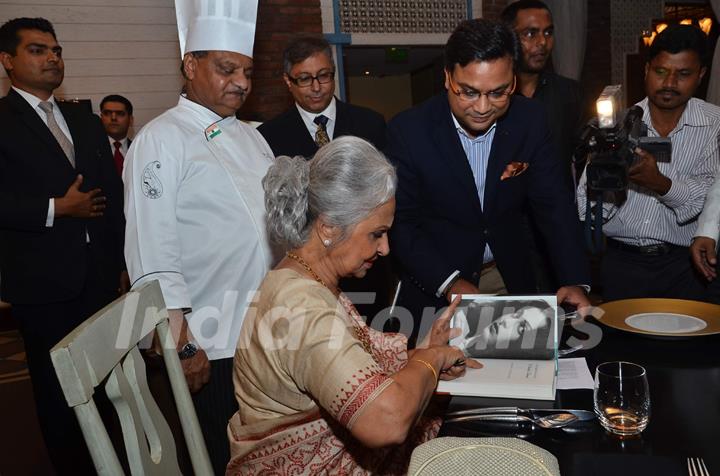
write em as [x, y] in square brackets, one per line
[665, 322]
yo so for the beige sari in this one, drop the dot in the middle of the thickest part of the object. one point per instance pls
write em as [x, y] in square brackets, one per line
[303, 377]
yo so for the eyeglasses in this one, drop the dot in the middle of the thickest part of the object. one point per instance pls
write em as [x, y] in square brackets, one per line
[496, 97]
[305, 80]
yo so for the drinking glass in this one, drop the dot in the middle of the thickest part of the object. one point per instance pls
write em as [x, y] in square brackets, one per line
[621, 397]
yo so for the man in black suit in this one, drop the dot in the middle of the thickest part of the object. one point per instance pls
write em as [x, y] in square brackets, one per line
[562, 97]
[317, 116]
[469, 162]
[61, 221]
[116, 114]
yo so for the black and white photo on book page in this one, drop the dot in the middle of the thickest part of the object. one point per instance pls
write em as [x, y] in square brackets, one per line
[507, 327]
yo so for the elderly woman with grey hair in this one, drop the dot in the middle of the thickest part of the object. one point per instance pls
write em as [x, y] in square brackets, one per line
[318, 390]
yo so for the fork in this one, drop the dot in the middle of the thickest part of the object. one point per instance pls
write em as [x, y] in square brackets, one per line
[696, 467]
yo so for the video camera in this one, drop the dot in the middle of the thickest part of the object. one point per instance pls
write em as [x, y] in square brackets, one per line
[608, 143]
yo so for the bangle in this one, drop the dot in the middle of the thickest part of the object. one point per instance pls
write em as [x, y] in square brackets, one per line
[428, 365]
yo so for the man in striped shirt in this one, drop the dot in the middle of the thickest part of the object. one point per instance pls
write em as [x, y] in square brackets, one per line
[648, 234]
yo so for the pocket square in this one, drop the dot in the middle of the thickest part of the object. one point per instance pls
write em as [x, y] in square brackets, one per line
[514, 169]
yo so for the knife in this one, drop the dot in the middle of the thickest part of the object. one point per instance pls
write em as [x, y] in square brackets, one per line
[582, 415]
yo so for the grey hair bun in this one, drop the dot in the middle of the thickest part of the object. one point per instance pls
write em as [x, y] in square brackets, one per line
[345, 181]
[286, 200]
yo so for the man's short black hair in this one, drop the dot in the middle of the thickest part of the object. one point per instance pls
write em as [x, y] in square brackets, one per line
[677, 38]
[509, 14]
[480, 40]
[117, 98]
[10, 32]
[302, 48]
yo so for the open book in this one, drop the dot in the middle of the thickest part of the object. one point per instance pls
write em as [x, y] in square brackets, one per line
[515, 338]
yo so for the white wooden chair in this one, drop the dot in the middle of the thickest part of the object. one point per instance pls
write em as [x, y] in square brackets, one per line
[106, 345]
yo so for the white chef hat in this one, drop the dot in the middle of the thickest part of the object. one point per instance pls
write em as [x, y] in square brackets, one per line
[220, 25]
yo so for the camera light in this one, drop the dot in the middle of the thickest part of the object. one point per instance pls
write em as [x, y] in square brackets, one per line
[607, 106]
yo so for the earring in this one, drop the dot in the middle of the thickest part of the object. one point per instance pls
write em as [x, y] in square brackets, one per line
[326, 243]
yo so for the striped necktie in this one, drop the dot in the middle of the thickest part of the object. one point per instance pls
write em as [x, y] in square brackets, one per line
[321, 135]
[59, 135]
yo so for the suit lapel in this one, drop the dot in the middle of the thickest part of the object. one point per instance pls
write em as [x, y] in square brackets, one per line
[446, 138]
[33, 121]
[343, 121]
[298, 134]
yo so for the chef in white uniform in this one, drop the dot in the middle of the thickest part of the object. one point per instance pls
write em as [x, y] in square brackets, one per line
[194, 206]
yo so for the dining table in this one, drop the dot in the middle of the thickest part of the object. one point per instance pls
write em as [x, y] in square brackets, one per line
[684, 380]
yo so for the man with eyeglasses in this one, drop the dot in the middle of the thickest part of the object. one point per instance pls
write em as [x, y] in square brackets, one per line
[317, 116]
[470, 162]
[116, 113]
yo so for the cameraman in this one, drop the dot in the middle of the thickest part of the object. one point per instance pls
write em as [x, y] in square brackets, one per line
[649, 231]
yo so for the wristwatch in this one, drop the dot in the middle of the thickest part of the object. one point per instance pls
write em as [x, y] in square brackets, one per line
[188, 350]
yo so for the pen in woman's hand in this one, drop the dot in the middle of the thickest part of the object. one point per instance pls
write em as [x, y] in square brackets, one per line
[457, 363]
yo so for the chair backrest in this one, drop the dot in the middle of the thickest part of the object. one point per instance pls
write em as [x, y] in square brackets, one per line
[106, 345]
[481, 457]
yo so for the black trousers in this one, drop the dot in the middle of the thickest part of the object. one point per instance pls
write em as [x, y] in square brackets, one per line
[214, 404]
[629, 275]
[42, 326]
[714, 287]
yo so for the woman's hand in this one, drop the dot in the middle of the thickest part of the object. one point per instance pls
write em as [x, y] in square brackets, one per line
[458, 366]
[441, 332]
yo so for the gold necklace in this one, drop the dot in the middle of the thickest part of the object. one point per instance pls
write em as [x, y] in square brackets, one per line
[307, 267]
[362, 334]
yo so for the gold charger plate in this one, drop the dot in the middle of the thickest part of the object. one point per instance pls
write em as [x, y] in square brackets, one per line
[616, 314]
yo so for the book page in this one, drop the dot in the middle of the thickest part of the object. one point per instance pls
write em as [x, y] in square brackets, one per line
[507, 327]
[505, 378]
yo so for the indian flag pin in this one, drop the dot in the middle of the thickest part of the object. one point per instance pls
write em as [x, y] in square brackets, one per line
[212, 131]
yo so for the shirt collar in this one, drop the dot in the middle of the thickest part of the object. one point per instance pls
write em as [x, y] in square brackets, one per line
[308, 117]
[203, 114]
[123, 142]
[692, 115]
[484, 136]
[33, 100]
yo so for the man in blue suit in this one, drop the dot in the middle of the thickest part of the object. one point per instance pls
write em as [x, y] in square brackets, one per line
[469, 162]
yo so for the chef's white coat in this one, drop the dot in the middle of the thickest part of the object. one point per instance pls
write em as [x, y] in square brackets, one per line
[196, 218]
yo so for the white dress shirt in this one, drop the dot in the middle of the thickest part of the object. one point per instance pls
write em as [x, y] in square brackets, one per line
[309, 117]
[124, 145]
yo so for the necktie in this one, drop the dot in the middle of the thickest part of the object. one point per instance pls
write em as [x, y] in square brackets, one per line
[321, 135]
[59, 135]
[118, 157]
